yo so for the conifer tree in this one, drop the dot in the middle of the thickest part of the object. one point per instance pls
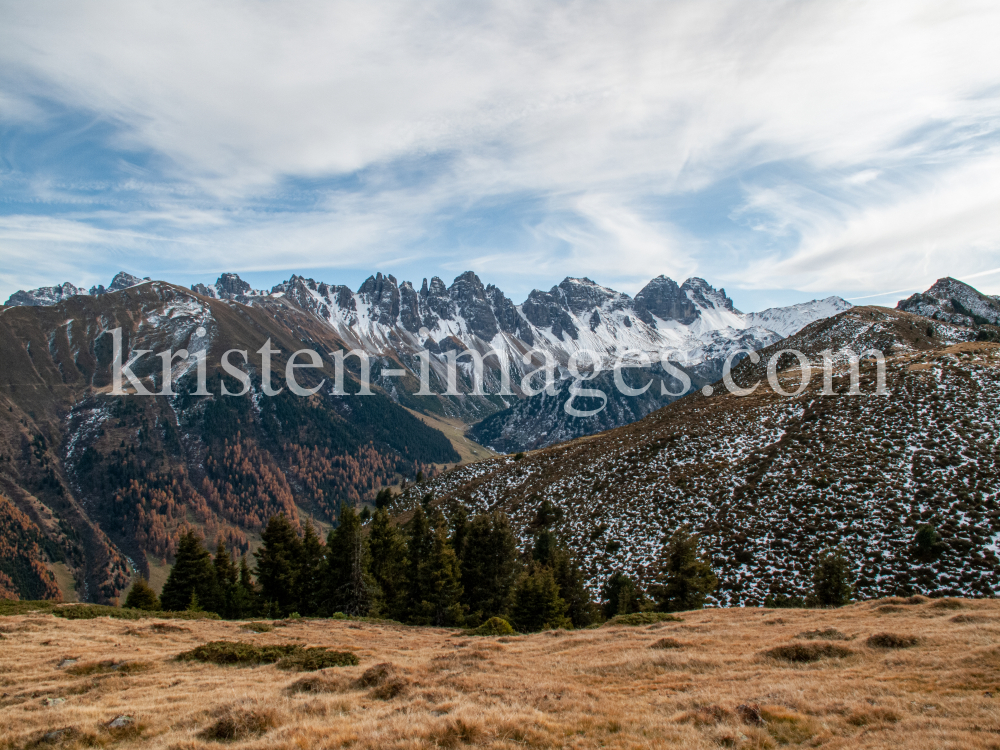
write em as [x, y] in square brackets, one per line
[441, 584]
[832, 579]
[309, 577]
[620, 595]
[225, 581]
[545, 548]
[192, 575]
[244, 602]
[387, 552]
[537, 604]
[142, 596]
[418, 548]
[348, 587]
[277, 566]
[684, 578]
[580, 606]
[459, 531]
[383, 498]
[489, 567]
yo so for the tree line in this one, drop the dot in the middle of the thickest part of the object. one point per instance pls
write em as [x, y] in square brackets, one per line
[436, 571]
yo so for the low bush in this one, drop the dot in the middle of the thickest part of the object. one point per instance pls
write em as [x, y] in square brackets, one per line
[165, 627]
[667, 643]
[319, 684]
[238, 723]
[829, 634]
[643, 618]
[311, 659]
[947, 604]
[237, 653]
[870, 716]
[15, 607]
[385, 680]
[107, 667]
[93, 611]
[257, 627]
[891, 640]
[802, 653]
[493, 627]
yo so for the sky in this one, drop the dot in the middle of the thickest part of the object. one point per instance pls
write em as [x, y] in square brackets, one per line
[782, 150]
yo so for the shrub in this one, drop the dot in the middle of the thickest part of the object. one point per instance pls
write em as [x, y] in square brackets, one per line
[93, 611]
[666, 643]
[803, 653]
[891, 640]
[318, 684]
[644, 618]
[15, 607]
[240, 654]
[238, 723]
[493, 627]
[311, 659]
[947, 604]
[385, 680]
[829, 634]
[108, 666]
[873, 716]
[257, 627]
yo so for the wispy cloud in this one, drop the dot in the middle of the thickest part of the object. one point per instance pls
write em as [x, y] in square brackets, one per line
[518, 139]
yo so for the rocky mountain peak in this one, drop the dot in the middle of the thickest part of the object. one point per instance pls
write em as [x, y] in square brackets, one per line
[43, 296]
[953, 301]
[664, 299]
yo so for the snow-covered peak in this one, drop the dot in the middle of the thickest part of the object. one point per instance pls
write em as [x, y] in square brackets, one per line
[787, 321]
[44, 296]
[52, 295]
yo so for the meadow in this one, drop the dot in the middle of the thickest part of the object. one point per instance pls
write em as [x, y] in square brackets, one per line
[870, 675]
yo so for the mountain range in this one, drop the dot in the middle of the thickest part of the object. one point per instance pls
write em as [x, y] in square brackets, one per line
[96, 487]
[769, 481]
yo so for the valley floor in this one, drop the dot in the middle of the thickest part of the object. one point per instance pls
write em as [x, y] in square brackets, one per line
[613, 687]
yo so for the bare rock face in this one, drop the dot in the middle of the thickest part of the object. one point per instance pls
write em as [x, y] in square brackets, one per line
[664, 299]
[952, 301]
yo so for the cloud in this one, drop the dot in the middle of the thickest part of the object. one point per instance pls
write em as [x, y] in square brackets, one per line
[337, 134]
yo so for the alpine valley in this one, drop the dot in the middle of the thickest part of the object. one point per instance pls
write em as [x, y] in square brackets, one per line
[95, 488]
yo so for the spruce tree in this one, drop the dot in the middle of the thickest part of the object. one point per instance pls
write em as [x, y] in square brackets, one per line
[418, 549]
[441, 584]
[309, 577]
[244, 603]
[142, 596]
[347, 586]
[191, 575]
[684, 578]
[383, 499]
[489, 567]
[927, 544]
[831, 579]
[277, 566]
[459, 530]
[388, 565]
[225, 581]
[537, 604]
[620, 595]
[545, 548]
[580, 606]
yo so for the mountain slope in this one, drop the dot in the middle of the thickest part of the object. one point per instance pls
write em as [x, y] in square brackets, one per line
[952, 301]
[769, 481]
[111, 481]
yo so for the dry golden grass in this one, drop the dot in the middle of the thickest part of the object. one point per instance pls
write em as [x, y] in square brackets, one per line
[423, 687]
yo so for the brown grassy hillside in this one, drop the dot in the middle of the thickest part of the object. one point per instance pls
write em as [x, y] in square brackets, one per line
[886, 673]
